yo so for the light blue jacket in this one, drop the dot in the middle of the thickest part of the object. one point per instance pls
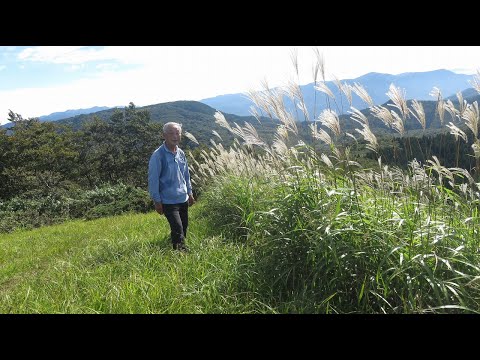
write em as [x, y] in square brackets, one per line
[168, 176]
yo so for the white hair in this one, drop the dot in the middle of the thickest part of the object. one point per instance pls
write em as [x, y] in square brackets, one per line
[172, 124]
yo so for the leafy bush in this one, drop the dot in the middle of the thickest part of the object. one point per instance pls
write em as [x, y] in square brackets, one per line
[58, 206]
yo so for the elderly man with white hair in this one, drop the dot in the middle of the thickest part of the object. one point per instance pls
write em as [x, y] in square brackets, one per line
[169, 184]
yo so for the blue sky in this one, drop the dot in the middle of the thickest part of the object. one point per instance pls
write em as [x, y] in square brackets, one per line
[36, 81]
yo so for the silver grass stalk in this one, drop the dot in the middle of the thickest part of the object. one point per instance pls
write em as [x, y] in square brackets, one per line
[194, 161]
[461, 102]
[314, 129]
[304, 110]
[384, 114]
[279, 146]
[398, 98]
[463, 172]
[330, 119]
[220, 120]
[450, 108]
[295, 92]
[441, 111]
[265, 98]
[338, 83]
[191, 137]
[419, 175]
[352, 136]
[326, 160]
[251, 135]
[238, 131]
[282, 132]
[439, 169]
[436, 93]
[254, 97]
[320, 62]
[369, 137]
[288, 120]
[204, 155]
[337, 153]
[419, 113]
[354, 163]
[347, 90]
[253, 110]
[220, 149]
[274, 100]
[294, 58]
[358, 116]
[455, 131]
[476, 148]
[398, 123]
[362, 93]
[217, 135]
[316, 68]
[263, 104]
[471, 117]
[324, 88]
[340, 86]
[323, 136]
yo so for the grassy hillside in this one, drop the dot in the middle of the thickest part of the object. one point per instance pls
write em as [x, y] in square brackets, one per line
[123, 264]
[281, 228]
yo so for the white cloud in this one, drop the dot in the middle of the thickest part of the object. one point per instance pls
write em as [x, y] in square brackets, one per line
[61, 54]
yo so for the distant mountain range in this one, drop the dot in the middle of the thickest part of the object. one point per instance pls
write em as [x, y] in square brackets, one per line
[69, 113]
[417, 85]
[198, 119]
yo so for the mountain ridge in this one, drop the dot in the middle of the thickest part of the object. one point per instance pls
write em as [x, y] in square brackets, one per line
[417, 85]
[238, 104]
[71, 112]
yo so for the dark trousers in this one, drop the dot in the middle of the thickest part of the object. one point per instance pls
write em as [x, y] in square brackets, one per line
[177, 216]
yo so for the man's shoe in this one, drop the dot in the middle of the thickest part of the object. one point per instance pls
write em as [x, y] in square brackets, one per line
[180, 247]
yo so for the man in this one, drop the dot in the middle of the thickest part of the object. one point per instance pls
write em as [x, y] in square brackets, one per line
[169, 184]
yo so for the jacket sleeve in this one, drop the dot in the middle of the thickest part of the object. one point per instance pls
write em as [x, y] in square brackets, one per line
[154, 170]
[187, 177]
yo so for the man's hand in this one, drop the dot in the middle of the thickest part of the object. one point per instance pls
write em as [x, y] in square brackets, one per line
[191, 200]
[159, 208]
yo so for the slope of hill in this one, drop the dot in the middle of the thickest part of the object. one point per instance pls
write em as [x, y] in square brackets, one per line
[195, 117]
[467, 94]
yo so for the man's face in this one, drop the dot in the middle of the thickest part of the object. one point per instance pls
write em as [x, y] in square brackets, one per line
[172, 137]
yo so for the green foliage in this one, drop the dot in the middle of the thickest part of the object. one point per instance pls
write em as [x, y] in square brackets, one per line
[238, 200]
[38, 209]
[118, 150]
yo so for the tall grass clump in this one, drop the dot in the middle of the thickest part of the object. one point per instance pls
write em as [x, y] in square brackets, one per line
[331, 236]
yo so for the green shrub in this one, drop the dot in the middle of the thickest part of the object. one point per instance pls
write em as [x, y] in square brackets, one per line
[58, 206]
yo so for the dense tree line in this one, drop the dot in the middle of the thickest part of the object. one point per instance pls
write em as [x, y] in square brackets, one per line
[44, 157]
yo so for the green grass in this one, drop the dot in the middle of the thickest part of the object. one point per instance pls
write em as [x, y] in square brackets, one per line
[123, 264]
